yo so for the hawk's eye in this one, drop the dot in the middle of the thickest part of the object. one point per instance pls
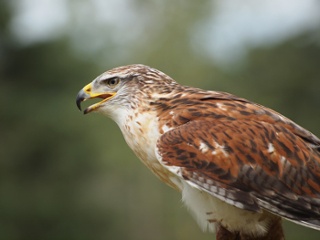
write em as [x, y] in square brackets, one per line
[112, 82]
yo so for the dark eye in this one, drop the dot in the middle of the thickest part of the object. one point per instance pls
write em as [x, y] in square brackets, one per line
[112, 82]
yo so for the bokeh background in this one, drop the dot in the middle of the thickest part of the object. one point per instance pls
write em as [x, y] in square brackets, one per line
[64, 175]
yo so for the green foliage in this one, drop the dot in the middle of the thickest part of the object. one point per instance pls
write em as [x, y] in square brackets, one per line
[69, 176]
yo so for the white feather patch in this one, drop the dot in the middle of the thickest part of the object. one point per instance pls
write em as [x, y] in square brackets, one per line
[207, 210]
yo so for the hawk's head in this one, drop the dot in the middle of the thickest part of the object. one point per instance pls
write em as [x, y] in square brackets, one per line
[124, 88]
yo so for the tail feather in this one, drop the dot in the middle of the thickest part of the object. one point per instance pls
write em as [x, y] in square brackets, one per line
[310, 223]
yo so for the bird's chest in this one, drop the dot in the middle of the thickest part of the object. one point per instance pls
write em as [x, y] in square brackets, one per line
[141, 132]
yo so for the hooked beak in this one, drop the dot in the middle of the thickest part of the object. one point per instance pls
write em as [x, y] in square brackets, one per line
[86, 94]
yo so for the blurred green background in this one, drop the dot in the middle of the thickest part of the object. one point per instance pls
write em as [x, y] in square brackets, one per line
[69, 176]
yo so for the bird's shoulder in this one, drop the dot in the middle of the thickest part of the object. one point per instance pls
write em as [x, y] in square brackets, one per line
[192, 104]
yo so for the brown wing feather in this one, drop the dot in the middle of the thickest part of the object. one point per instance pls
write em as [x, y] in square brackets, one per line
[250, 164]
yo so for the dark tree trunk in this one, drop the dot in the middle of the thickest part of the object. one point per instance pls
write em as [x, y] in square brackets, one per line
[275, 232]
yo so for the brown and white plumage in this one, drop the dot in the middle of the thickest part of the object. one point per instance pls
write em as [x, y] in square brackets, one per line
[240, 166]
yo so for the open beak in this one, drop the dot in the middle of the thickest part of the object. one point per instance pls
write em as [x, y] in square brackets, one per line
[86, 94]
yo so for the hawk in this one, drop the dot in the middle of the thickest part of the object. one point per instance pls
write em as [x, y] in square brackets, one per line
[241, 167]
